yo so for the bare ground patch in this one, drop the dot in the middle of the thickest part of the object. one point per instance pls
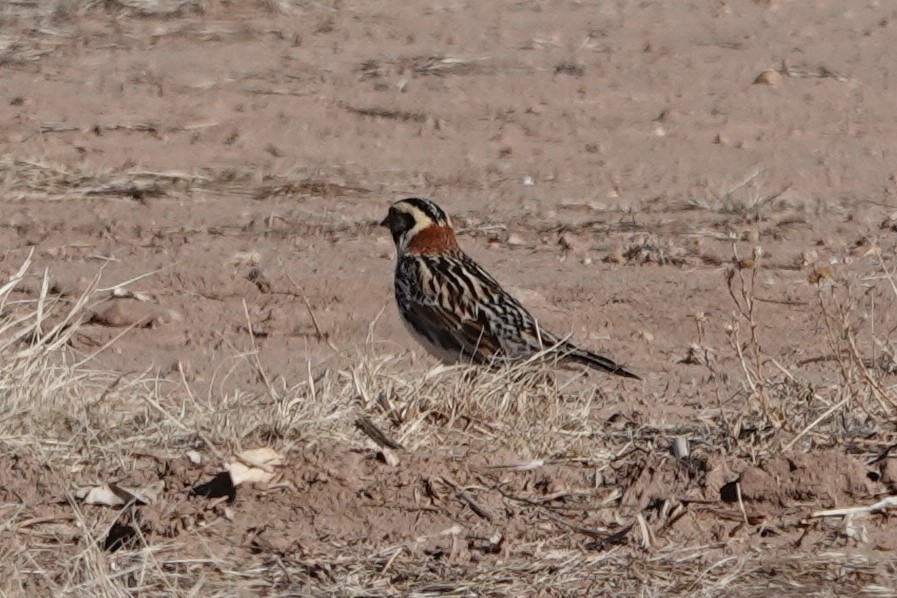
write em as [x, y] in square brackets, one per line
[457, 481]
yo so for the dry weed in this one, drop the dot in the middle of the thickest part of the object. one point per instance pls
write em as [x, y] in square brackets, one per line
[852, 400]
[83, 426]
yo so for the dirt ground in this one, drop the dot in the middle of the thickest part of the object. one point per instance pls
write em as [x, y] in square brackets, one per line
[703, 190]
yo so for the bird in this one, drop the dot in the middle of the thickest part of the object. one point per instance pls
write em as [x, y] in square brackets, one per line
[455, 309]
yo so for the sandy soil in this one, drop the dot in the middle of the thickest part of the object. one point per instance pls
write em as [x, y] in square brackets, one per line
[611, 162]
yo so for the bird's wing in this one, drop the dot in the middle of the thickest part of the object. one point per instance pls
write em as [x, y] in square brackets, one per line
[492, 318]
[519, 332]
[457, 305]
[439, 309]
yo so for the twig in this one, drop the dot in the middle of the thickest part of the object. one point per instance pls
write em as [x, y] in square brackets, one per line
[744, 182]
[529, 466]
[864, 371]
[815, 423]
[255, 353]
[130, 281]
[474, 505]
[57, 128]
[276, 92]
[155, 405]
[599, 537]
[881, 505]
[364, 424]
[99, 128]
[319, 334]
[402, 115]
[314, 321]
[465, 497]
[646, 532]
[41, 520]
[781, 301]
[741, 503]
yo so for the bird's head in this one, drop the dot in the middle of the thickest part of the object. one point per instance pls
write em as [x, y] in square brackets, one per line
[420, 227]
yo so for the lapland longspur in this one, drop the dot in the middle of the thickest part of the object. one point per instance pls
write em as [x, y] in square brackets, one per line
[454, 308]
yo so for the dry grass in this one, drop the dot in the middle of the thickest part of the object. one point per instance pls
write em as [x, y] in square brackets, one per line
[850, 400]
[67, 425]
[523, 481]
[602, 498]
[40, 180]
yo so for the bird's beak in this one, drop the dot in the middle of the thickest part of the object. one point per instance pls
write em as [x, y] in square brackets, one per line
[385, 222]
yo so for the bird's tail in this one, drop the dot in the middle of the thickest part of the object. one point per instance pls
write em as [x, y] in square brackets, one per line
[574, 353]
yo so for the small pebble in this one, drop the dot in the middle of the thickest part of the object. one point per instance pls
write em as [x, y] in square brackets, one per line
[121, 314]
[769, 77]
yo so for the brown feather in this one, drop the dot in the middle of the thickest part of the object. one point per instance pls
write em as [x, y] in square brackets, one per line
[433, 240]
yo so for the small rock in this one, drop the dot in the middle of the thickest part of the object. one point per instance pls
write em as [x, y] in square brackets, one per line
[809, 257]
[746, 263]
[679, 447]
[257, 276]
[251, 258]
[890, 222]
[699, 355]
[70, 289]
[615, 257]
[388, 456]
[515, 240]
[182, 368]
[168, 316]
[120, 293]
[568, 243]
[124, 313]
[866, 251]
[820, 273]
[769, 77]
[750, 235]
[756, 484]
[889, 473]
[667, 115]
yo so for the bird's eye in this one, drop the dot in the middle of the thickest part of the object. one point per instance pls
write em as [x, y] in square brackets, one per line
[404, 222]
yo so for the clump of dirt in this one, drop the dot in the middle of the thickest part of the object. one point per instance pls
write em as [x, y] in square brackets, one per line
[659, 478]
[825, 479]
